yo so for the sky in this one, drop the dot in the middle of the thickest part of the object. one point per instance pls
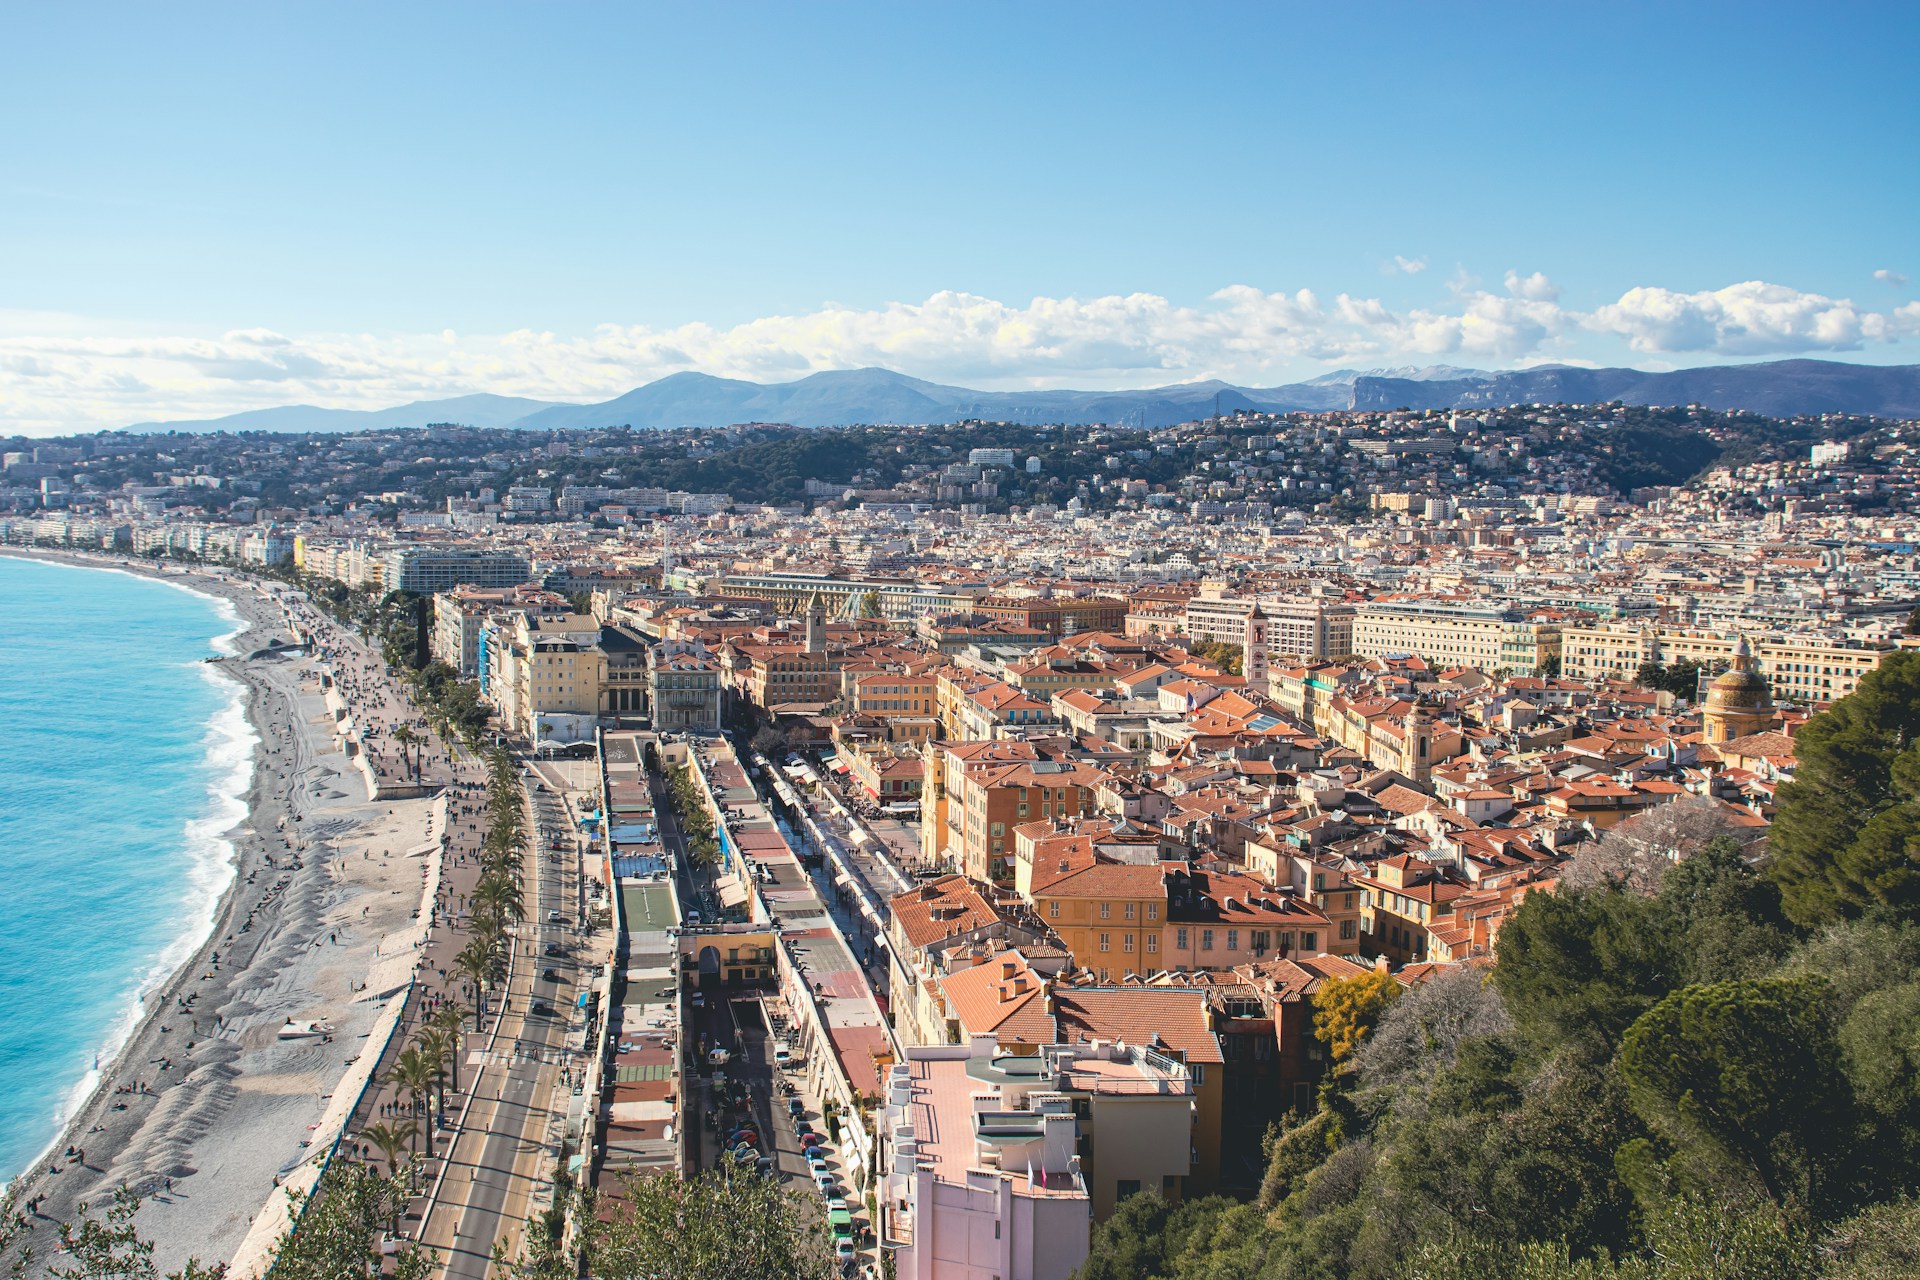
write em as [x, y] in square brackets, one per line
[207, 208]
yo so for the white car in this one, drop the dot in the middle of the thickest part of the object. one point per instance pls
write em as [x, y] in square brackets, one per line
[823, 1180]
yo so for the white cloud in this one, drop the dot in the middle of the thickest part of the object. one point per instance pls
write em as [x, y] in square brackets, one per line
[1534, 288]
[61, 373]
[1749, 319]
[1408, 266]
[1887, 275]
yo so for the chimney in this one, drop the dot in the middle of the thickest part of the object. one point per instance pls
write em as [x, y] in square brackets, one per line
[1006, 968]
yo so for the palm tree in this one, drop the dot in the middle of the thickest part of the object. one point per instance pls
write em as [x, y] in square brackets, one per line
[437, 1045]
[391, 1139]
[452, 1021]
[500, 895]
[475, 964]
[415, 1072]
[406, 737]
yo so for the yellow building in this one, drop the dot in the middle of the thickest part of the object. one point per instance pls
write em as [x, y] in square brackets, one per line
[1803, 668]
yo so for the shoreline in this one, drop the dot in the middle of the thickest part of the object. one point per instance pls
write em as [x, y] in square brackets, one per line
[179, 953]
[269, 949]
[226, 790]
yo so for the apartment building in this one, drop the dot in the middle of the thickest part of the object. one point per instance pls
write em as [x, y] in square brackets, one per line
[1299, 626]
[460, 615]
[683, 687]
[982, 790]
[982, 1166]
[426, 570]
[1456, 635]
[545, 674]
[985, 1152]
[1799, 668]
[1110, 915]
[1056, 617]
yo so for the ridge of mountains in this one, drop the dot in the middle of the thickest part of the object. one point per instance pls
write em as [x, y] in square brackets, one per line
[1780, 388]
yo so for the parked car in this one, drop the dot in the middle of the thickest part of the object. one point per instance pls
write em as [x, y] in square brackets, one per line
[823, 1180]
[551, 975]
[542, 1009]
[554, 917]
[796, 1108]
[843, 1250]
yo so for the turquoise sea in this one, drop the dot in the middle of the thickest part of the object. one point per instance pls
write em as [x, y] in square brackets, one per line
[123, 759]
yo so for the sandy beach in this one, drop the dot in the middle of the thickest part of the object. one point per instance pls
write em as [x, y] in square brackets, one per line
[215, 1097]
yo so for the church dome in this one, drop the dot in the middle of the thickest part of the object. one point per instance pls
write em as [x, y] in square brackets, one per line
[1738, 699]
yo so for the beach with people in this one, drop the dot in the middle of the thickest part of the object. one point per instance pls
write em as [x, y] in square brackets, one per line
[231, 1082]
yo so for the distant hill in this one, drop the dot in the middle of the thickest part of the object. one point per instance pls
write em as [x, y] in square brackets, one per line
[1780, 388]
[846, 397]
[480, 410]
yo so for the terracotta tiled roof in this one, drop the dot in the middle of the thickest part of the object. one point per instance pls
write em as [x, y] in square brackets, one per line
[1163, 1018]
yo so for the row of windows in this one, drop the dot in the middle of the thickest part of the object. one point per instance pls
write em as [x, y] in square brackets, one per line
[1260, 940]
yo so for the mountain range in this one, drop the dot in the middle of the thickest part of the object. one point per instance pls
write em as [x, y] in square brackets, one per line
[846, 397]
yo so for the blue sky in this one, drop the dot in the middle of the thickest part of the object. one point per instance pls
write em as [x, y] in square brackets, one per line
[209, 207]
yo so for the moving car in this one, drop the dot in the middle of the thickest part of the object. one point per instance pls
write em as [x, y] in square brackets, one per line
[541, 1009]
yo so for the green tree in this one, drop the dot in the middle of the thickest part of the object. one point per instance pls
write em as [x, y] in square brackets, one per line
[1737, 1078]
[1583, 963]
[337, 1233]
[107, 1247]
[710, 1227]
[1346, 1009]
[1846, 833]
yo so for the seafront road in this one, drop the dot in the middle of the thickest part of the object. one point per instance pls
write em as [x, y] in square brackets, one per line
[504, 1153]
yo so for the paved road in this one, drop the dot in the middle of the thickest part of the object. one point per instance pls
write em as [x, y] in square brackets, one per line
[503, 1156]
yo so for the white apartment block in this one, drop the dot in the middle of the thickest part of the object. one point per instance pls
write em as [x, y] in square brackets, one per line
[1450, 635]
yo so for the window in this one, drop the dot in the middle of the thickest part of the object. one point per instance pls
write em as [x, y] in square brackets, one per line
[1126, 942]
[1309, 942]
[1126, 1187]
[1053, 911]
[1233, 939]
[1180, 938]
[1106, 942]
[1206, 939]
[1346, 928]
[1129, 910]
[1153, 911]
[1153, 943]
